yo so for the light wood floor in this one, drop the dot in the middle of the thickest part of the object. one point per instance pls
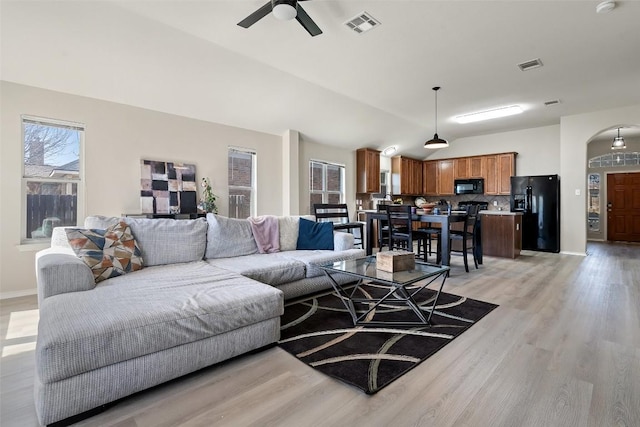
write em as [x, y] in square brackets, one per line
[563, 349]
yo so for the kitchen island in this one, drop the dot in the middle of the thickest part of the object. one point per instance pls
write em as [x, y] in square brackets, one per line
[501, 233]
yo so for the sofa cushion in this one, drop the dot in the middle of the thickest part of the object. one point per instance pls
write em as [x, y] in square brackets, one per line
[108, 253]
[273, 269]
[315, 235]
[229, 237]
[144, 312]
[100, 222]
[313, 258]
[289, 231]
[169, 241]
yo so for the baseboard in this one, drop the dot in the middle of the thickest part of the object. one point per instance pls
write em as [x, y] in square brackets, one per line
[573, 253]
[17, 294]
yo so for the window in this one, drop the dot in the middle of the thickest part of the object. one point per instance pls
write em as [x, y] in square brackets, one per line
[615, 160]
[326, 183]
[52, 175]
[593, 215]
[242, 183]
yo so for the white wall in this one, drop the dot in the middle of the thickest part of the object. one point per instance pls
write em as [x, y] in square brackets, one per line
[538, 148]
[310, 150]
[117, 137]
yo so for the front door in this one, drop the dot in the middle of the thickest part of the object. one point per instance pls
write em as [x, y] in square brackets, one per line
[623, 207]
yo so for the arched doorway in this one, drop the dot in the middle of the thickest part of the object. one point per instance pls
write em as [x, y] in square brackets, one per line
[613, 186]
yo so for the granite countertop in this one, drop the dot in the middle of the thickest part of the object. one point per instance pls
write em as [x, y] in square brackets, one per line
[499, 213]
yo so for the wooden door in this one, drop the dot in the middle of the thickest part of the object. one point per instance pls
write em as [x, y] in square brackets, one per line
[623, 207]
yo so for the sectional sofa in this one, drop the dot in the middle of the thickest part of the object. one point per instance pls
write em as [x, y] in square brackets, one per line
[204, 294]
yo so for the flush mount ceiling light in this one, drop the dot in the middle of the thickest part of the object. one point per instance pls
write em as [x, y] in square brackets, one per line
[436, 142]
[605, 6]
[362, 22]
[389, 150]
[284, 10]
[489, 114]
[618, 142]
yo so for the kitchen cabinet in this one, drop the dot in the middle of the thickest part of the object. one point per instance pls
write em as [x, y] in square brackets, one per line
[501, 234]
[506, 169]
[445, 177]
[430, 178]
[491, 175]
[406, 176]
[368, 171]
[477, 167]
[461, 168]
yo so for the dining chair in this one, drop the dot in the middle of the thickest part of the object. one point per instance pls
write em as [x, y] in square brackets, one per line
[338, 213]
[383, 229]
[462, 240]
[401, 235]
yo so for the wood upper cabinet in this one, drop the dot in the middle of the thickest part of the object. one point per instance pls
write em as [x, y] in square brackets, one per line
[491, 175]
[461, 168]
[445, 177]
[430, 177]
[368, 171]
[406, 176]
[506, 169]
[477, 167]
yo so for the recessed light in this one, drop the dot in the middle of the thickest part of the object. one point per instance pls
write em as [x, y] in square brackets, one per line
[489, 114]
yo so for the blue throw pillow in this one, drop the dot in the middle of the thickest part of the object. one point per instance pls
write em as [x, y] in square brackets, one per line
[315, 235]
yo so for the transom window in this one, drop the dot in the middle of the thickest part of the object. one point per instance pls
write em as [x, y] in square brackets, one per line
[52, 175]
[326, 183]
[242, 183]
[615, 160]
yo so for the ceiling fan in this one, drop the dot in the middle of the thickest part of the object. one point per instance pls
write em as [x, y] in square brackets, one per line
[285, 10]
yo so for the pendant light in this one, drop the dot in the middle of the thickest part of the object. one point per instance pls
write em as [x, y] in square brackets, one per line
[618, 142]
[436, 142]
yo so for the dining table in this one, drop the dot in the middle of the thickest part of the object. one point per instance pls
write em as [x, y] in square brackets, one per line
[445, 221]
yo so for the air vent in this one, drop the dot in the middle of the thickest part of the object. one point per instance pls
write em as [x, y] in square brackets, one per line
[362, 22]
[552, 102]
[528, 65]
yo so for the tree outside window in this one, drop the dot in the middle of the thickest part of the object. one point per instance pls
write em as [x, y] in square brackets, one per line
[51, 175]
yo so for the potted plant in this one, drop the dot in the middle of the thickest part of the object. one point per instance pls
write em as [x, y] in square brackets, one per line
[208, 200]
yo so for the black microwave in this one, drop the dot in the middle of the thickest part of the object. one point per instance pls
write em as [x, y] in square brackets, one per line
[469, 186]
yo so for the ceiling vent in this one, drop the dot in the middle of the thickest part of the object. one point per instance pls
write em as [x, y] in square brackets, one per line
[362, 22]
[528, 65]
[552, 102]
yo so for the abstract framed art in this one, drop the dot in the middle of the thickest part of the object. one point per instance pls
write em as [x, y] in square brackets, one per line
[167, 187]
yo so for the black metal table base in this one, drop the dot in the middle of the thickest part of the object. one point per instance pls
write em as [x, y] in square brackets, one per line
[398, 294]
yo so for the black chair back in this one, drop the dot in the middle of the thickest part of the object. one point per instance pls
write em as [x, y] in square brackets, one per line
[399, 223]
[331, 212]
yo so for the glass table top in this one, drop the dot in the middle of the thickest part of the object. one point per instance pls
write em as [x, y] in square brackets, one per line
[366, 268]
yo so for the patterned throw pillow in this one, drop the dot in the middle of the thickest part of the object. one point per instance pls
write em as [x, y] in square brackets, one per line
[108, 253]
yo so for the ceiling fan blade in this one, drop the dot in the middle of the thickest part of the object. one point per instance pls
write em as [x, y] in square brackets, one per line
[306, 21]
[256, 16]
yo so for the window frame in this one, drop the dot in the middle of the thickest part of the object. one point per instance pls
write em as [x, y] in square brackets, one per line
[253, 207]
[79, 181]
[324, 192]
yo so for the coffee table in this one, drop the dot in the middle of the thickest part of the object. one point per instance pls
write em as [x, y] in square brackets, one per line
[399, 293]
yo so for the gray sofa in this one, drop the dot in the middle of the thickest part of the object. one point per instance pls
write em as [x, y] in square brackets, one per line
[205, 295]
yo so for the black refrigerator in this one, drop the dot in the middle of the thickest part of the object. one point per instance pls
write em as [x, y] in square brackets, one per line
[538, 198]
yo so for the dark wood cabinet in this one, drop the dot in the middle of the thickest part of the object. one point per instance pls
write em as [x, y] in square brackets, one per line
[445, 177]
[368, 171]
[430, 178]
[501, 235]
[406, 176]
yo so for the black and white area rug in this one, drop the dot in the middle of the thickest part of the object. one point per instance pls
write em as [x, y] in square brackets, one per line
[319, 331]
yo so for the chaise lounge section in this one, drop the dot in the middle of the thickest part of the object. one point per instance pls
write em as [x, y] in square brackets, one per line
[188, 308]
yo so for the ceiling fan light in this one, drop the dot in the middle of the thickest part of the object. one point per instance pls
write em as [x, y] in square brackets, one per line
[284, 11]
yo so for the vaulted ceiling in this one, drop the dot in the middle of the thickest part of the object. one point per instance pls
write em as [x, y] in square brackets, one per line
[341, 88]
